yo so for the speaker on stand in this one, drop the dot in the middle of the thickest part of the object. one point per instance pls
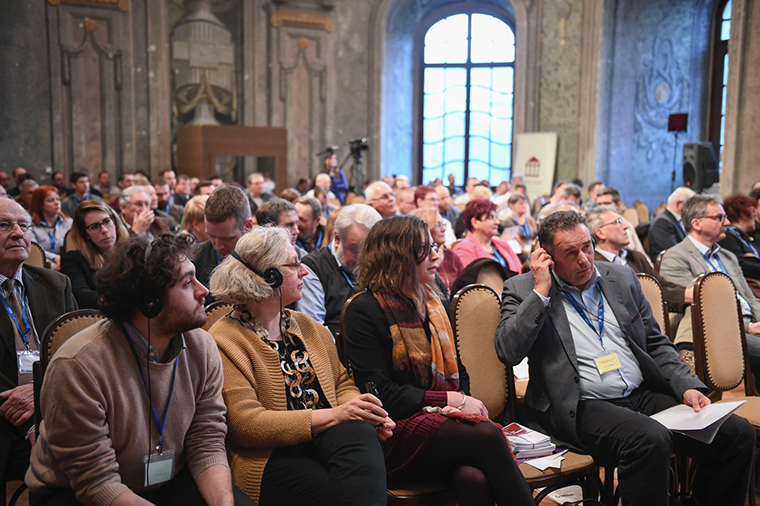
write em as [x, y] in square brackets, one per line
[700, 166]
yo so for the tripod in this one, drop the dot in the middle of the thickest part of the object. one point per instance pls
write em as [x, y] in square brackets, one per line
[356, 172]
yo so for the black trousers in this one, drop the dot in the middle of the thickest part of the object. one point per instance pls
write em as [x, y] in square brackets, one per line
[179, 491]
[620, 433]
[342, 466]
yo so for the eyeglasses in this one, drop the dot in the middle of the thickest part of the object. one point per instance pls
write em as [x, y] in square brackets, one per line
[720, 218]
[95, 227]
[7, 226]
[440, 225]
[294, 265]
[618, 222]
[384, 196]
[428, 249]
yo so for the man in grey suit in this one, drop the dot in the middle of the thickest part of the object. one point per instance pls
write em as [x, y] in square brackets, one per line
[599, 367]
[32, 298]
[706, 223]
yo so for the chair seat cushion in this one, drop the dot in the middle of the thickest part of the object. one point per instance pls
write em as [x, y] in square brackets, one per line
[573, 462]
[749, 410]
[416, 489]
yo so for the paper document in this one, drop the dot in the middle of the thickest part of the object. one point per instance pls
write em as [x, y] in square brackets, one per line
[701, 426]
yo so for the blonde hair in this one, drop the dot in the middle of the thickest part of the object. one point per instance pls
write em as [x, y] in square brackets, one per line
[263, 247]
[480, 192]
[194, 210]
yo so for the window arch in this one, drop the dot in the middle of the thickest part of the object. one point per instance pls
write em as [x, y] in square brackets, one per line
[466, 84]
[719, 79]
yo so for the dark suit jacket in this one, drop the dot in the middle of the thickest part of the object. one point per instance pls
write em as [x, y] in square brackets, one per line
[543, 334]
[82, 276]
[266, 197]
[664, 233]
[671, 292]
[204, 264]
[750, 264]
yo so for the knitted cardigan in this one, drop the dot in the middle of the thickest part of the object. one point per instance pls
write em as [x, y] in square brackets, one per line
[254, 392]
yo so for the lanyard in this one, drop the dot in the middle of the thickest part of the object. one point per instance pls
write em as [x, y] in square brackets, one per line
[159, 425]
[499, 257]
[24, 316]
[316, 244]
[348, 278]
[218, 258]
[524, 229]
[747, 244]
[712, 266]
[600, 312]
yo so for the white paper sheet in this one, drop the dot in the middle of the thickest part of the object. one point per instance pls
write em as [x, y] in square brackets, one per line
[703, 425]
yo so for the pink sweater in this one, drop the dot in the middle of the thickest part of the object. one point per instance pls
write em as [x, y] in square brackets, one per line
[470, 250]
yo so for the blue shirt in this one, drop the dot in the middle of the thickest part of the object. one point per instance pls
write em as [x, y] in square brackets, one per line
[313, 295]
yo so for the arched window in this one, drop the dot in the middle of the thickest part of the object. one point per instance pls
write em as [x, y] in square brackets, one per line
[467, 75]
[722, 32]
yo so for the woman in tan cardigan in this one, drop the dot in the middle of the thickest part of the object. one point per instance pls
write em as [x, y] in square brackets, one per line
[299, 430]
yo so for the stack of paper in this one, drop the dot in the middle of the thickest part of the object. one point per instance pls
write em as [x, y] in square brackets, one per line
[702, 425]
[528, 443]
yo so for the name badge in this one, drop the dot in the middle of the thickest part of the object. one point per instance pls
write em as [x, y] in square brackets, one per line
[608, 363]
[159, 468]
[26, 359]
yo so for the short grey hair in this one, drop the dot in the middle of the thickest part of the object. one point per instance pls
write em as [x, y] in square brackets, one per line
[571, 190]
[594, 217]
[323, 176]
[26, 183]
[696, 207]
[680, 194]
[361, 214]
[375, 189]
[316, 205]
[263, 248]
[126, 195]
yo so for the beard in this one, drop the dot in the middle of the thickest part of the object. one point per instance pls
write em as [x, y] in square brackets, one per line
[176, 320]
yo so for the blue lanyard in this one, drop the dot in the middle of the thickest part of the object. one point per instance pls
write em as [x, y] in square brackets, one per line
[51, 233]
[712, 266]
[24, 316]
[159, 426]
[348, 278]
[747, 244]
[600, 312]
[218, 258]
[499, 257]
[316, 244]
[524, 229]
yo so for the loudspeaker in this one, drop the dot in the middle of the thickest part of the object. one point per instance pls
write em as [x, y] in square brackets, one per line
[700, 167]
[150, 304]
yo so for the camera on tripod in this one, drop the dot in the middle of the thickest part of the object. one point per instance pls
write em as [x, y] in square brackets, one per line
[358, 145]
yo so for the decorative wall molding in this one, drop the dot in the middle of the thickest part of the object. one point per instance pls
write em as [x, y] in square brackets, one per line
[122, 5]
[303, 19]
[588, 110]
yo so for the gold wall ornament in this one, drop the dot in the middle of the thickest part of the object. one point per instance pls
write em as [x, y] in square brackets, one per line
[90, 25]
[306, 19]
[303, 44]
[122, 5]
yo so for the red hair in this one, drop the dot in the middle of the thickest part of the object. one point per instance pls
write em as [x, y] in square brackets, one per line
[421, 192]
[738, 206]
[38, 200]
[478, 209]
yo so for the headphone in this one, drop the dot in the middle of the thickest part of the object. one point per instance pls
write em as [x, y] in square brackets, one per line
[271, 276]
[150, 304]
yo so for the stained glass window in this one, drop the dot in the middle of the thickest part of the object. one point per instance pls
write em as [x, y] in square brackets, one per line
[720, 77]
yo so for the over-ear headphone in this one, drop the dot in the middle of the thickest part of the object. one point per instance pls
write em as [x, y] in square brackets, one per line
[150, 304]
[271, 276]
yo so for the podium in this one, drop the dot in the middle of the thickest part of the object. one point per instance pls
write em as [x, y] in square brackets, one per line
[198, 146]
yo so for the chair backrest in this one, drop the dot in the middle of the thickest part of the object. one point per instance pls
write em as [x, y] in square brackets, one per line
[492, 277]
[340, 341]
[631, 215]
[62, 328]
[653, 293]
[476, 311]
[658, 261]
[660, 208]
[642, 210]
[214, 311]
[37, 257]
[720, 345]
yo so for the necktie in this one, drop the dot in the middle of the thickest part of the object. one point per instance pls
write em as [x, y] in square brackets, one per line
[14, 301]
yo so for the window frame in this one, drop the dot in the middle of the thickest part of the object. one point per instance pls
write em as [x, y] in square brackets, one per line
[420, 66]
[719, 52]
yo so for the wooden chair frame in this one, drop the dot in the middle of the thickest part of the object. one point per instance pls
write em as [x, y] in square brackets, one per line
[660, 310]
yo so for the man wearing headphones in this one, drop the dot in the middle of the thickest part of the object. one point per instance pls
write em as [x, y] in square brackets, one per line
[132, 406]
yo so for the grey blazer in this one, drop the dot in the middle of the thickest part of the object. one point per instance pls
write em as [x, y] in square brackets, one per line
[682, 263]
[543, 334]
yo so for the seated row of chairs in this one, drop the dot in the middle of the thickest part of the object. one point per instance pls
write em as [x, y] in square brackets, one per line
[720, 350]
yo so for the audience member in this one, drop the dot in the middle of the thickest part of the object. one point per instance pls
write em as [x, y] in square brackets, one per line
[104, 186]
[321, 195]
[699, 252]
[568, 193]
[228, 217]
[26, 190]
[310, 230]
[608, 230]
[323, 181]
[338, 181]
[390, 331]
[182, 192]
[449, 212]
[125, 181]
[302, 186]
[454, 190]
[381, 198]
[218, 181]
[194, 223]
[283, 214]
[92, 447]
[482, 241]
[162, 189]
[400, 182]
[667, 229]
[136, 214]
[330, 280]
[449, 265]
[291, 195]
[204, 187]
[425, 196]
[740, 210]
[593, 189]
[58, 179]
[595, 386]
[465, 197]
[405, 199]
[171, 179]
[256, 194]
[80, 183]
[518, 224]
[49, 225]
[33, 297]
[609, 196]
[298, 425]
[5, 180]
[96, 230]
[755, 196]
[18, 174]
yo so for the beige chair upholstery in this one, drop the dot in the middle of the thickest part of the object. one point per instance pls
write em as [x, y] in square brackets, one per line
[642, 210]
[214, 311]
[61, 329]
[490, 276]
[653, 293]
[631, 215]
[477, 312]
[37, 257]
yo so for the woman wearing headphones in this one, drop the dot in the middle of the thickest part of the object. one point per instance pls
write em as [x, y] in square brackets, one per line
[299, 430]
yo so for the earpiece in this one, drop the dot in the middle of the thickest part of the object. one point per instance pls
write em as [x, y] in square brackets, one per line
[150, 304]
[271, 276]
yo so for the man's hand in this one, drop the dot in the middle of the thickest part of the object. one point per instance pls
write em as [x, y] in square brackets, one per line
[143, 221]
[754, 329]
[18, 405]
[541, 264]
[695, 399]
